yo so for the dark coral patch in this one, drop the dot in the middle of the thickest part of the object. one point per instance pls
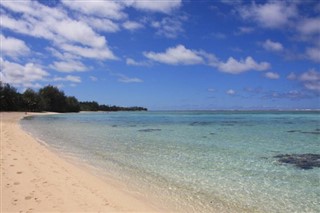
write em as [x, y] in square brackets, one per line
[149, 130]
[302, 161]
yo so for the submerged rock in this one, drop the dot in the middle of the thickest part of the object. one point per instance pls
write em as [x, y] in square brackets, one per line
[302, 161]
[316, 132]
[312, 132]
[202, 123]
[291, 131]
[149, 130]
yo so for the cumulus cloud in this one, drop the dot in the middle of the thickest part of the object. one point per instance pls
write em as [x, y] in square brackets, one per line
[178, 55]
[169, 27]
[71, 78]
[125, 79]
[68, 66]
[13, 47]
[272, 46]
[313, 53]
[132, 25]
[155, 6]
[309, 26]
[101, 24]
[114, 9]
[236, 67]
[244, 30]
[272, 75]
[230, 92]
[310, 75]
[292, 76]
[93, 78]
[101, 8]
[292, 94]
[21, 75]
[88, 52]
[52, 23]
[132, 62]
[309, 79]
[273, 14]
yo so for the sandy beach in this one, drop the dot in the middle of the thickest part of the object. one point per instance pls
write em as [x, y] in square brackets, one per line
[35, 179]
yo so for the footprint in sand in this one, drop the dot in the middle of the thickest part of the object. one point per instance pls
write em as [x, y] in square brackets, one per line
[37, 200]
[19, 172]
[14, 202]
[28, 197]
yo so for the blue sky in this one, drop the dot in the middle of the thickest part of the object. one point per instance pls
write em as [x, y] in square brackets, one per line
[218, 54]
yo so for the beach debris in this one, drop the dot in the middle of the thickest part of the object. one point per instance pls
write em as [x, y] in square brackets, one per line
[149, 130]
[302, 161]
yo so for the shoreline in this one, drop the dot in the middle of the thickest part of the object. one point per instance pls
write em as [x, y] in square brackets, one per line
[36, 179]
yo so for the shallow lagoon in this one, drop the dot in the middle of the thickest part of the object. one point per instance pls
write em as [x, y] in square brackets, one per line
[196, 161]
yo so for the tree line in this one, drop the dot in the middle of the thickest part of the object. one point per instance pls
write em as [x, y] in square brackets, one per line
[50, 98]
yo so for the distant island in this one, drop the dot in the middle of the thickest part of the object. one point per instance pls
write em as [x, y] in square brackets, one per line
[50, 98]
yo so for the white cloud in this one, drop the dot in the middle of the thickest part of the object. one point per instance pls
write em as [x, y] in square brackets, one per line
[244, 30]
[292, 76]
[170, 27]
[310, 75]
[101, 8]
[93, 78]
[13, 47]
[313, 53]
[309, 79]
[132, 62]
[54, 24]
[309, 26]
[125, 79]
[62, 56]
[87, 52]
[272, 75]
[273, 14]
[101, 24]
[132, 25]
[76, 31]
[71, 78]
[178, 55]
[21, 75]
[210, 58]
[313, 85]
[155, 6]
[235, 67]
[69, 66]
[230, 92]
[272, 46]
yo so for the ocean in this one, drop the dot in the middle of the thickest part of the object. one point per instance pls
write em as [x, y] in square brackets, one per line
[198, 161]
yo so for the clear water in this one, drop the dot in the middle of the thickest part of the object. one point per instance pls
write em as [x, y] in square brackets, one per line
[196, 161]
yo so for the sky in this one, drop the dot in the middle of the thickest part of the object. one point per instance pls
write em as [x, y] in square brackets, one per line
[166, 55]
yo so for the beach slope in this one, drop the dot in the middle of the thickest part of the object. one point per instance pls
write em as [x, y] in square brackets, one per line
[34, 179]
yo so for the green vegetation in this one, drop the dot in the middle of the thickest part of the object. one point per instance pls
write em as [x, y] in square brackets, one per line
[49, 98]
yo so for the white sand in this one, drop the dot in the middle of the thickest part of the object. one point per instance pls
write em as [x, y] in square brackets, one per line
[34, 179]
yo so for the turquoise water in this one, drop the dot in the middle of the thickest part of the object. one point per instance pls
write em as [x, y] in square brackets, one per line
[196, 161]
